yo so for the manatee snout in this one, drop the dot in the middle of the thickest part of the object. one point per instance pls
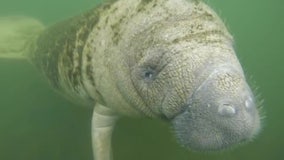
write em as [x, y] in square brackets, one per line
[221, 113]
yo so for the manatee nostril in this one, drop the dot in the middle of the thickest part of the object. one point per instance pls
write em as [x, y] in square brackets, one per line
[249, 103]
[226, 110]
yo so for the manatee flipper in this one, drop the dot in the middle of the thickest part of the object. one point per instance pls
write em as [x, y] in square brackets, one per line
[17, 36]
[103, 123]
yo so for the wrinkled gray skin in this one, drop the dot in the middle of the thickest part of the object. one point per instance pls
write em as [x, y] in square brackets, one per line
[178, 63]
[168, 59]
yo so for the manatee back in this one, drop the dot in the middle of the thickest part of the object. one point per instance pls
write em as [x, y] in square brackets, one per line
[58, 54]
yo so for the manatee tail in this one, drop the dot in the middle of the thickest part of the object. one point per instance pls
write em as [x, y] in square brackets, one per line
[17, 36]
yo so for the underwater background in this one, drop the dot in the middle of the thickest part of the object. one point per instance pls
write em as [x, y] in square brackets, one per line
[38, 124]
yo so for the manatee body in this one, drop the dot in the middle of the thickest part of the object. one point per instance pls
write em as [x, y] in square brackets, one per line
[168, 59]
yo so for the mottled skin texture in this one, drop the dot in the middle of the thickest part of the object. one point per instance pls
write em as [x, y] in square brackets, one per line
[168, 59]
[59, 51]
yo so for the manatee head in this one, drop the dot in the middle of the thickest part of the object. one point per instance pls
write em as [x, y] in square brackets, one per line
[184, 69]
[220, 113]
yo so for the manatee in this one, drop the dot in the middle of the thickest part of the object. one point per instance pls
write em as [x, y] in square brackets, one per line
[171, 60]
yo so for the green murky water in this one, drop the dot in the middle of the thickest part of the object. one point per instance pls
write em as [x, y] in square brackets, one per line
[37, 124]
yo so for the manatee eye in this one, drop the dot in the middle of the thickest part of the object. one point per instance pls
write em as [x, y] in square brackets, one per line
[149, 74]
